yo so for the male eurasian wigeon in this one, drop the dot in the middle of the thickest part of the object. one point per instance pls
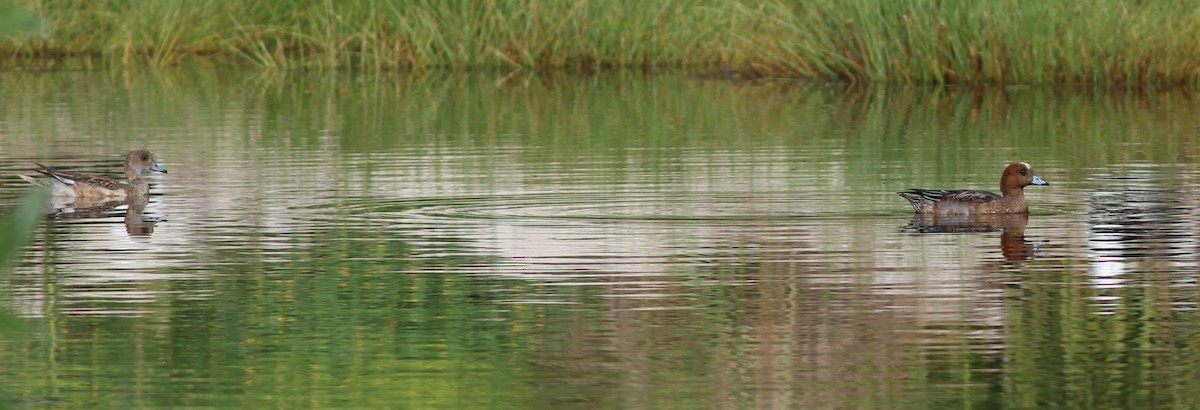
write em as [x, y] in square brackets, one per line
[1016, 177]
[76, 185]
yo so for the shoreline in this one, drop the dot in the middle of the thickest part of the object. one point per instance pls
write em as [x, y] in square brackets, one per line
[1055, 42]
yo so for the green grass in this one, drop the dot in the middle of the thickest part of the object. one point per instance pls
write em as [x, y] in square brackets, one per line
[381, 34]
[1113, 42]
[914, 41]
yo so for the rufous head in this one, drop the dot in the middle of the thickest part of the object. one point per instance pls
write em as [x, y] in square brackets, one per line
[1017, 176]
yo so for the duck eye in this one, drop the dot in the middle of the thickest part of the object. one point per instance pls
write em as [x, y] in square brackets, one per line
[147, 157]
[1023, 171]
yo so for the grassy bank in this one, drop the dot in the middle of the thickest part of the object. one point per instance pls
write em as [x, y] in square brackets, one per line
[1056, 41]
[385, 34]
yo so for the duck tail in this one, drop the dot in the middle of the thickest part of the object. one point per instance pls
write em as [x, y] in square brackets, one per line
[914, 198]
[30, 180]
[52, 173]
[922, 200]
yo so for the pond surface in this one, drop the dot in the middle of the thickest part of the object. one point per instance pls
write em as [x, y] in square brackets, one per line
[339, 240]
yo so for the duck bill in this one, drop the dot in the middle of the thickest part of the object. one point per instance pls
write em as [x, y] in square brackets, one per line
[158, 168]
[1036, 181]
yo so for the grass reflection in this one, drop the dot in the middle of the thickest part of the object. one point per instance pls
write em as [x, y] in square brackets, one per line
[339, 239]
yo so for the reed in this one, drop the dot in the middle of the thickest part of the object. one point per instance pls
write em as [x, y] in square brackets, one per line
[909, 41]
[380, 33]
[1115, 42]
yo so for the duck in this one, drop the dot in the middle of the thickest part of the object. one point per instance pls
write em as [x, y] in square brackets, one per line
[1011, 200]
[92, 187]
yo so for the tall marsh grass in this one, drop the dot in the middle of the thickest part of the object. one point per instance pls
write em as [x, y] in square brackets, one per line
[383, 33]
[1053, 41]
[922, 41]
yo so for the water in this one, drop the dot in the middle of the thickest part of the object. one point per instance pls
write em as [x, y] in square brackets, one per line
[609, 241]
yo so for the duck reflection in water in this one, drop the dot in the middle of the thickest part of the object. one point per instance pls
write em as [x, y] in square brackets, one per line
[80, 196]
[136, 222]
[1011, 226]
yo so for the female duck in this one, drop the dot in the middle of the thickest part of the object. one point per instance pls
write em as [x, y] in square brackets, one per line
[84, 186]
[1016, 177]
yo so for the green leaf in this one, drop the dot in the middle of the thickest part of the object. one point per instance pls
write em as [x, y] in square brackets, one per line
[16, 230]
[13, 234]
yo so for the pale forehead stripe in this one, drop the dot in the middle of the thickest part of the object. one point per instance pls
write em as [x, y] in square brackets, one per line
[1026, 164]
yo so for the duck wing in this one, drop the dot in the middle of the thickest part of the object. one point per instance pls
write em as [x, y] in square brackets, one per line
[922, 200]
[970, 196]
[72, 178]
